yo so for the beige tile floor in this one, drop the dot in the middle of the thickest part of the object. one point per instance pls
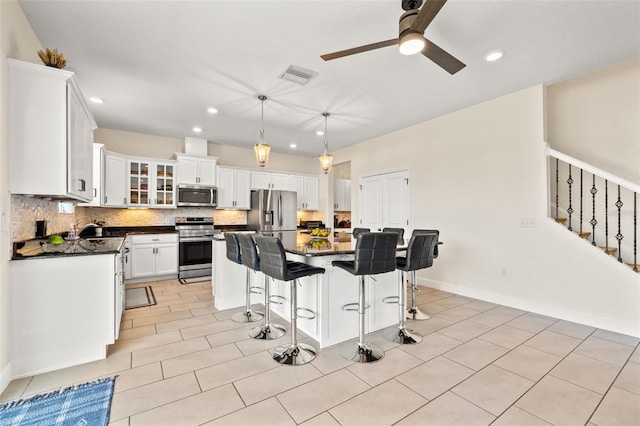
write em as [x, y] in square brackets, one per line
[183, 362]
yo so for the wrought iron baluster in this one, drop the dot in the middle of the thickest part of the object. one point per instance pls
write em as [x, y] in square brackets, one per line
[593, 222]
[570, 209]
[619, 236]
[581, 173]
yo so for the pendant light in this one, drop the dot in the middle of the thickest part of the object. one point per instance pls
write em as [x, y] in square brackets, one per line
[262, 149]
[325, 158]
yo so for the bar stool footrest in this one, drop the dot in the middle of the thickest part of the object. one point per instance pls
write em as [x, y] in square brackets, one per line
[353, 306]
[305, 313]
[391, 299]
[278, 300]
[256, 290]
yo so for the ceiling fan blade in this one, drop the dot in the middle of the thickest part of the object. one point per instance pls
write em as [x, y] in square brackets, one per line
[442, 58]
[426, 15]
[359, 49]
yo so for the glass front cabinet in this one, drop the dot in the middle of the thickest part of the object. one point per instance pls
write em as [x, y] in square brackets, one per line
[151, 184]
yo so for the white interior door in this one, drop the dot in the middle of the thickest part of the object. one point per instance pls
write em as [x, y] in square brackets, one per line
[384, 201]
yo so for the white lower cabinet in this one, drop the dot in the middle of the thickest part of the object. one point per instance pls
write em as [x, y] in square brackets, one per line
[153, 255]
[65, 311]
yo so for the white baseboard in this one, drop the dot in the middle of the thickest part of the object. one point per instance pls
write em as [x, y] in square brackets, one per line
[537, 308]
[5, 377]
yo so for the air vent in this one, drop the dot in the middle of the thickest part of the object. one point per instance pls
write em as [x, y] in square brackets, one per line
[298, 74]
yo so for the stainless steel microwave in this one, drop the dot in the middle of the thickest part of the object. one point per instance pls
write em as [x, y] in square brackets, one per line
[197, 196]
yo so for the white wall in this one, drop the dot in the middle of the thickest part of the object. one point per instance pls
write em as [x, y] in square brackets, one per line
[596, 118]
[17, 40]
[475, 173]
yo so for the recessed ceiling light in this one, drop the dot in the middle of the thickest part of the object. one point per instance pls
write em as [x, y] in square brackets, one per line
[320, 133]
[292, 145]
[212, 110]
[493, 55]
[96, 100]
[197, 129]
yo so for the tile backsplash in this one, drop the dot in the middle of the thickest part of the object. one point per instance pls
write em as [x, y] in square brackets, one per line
[25, 211]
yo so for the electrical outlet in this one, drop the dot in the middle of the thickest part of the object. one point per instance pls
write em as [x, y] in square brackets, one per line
[527, 222]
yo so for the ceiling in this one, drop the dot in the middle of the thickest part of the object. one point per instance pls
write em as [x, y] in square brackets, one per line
[159, 65]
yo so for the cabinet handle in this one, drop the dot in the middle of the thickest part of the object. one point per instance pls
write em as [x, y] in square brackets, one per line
[105, 199]
[124, 200]
[95, 192]
[156, 239]
[83, 185]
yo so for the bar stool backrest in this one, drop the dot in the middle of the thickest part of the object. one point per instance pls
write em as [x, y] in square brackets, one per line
[249, 252]
[375, 253]
[233, 247]
[399, 231]
[273, 260]
[359, 231]
[420, 252]
[429, 231]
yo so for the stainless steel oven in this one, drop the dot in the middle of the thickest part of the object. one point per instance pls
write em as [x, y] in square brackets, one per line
[195, 246]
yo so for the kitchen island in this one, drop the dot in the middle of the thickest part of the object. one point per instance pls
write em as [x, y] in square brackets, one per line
[325, 294]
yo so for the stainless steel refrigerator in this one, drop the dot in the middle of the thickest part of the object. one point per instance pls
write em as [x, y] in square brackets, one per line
[273, 210]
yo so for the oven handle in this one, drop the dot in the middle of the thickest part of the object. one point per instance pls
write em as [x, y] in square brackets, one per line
[189, 239]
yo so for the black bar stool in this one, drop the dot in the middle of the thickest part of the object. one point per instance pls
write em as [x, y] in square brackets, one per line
[418, 257]
[413, 312]
[250, 258]
[399, 231]
[375, 253]
[358, 231]
[274, 263]
[234, 254]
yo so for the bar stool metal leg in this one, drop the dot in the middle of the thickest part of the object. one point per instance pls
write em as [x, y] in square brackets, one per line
[267, 331]
[294, 353]
[401, 334]
[413, 312]
[364, 352]
[248, 315]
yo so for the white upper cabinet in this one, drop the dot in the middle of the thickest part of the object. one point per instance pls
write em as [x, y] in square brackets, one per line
[114, 180]
[307, 189]
[50, 131]
[234, 190]
[151, 183]
[98, 159]
[342, 195]
[195, 170]
[268, 180]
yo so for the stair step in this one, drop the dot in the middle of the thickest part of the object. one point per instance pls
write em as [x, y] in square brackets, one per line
[610, 250]
[631, 265]
[584, 235]
[561, 220]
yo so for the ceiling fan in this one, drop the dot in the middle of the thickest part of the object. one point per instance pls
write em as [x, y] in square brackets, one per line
[413, 23]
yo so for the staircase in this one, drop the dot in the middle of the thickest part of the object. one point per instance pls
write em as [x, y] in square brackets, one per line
[599, 207]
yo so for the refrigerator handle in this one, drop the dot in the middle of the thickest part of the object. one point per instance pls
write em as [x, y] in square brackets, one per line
[280, 211]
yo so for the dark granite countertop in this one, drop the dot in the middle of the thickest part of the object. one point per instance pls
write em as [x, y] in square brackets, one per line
[39, 248]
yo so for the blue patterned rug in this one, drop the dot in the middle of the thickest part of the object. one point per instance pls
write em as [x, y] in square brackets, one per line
[82, 405]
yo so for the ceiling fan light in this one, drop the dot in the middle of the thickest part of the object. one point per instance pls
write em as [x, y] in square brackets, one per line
[411, 43]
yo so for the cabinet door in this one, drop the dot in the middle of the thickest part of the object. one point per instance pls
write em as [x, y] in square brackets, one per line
[98, 157]
[311, 192]
[206, 171]
[260, 180]
[382, 314]
[243, 189]
[226, 188]
[77, 184]
[143, 260]
[166, 259]
[164, 188]
[279, 181]
[187, 170]
[115, 174]
[342, 195]
[139, 183]
[296, 183]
